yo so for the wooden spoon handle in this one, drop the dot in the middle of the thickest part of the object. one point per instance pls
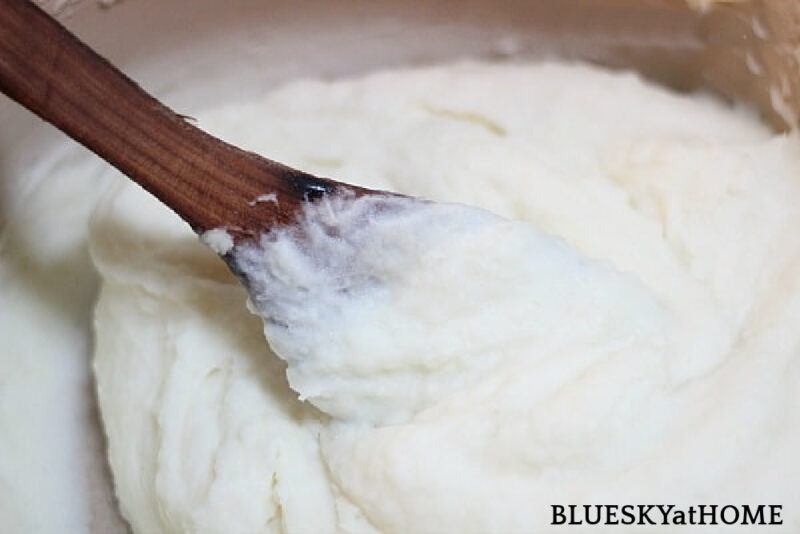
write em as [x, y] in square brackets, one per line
[209, 183]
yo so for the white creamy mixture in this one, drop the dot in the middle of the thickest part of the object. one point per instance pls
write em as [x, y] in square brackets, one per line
[624, 328]
[637, 341]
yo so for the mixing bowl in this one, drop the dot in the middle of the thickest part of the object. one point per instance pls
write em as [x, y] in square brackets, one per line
[195, 53]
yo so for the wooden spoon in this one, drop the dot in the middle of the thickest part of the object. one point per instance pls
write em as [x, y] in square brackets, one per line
[207, 182]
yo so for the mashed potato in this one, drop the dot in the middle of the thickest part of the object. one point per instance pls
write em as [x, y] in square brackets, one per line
[623, 327]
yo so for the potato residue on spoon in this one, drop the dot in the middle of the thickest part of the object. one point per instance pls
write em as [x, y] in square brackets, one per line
[383, 306]
[604, 307]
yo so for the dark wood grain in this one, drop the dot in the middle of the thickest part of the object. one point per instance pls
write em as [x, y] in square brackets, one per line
[208, 182]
